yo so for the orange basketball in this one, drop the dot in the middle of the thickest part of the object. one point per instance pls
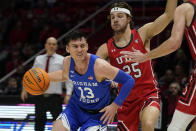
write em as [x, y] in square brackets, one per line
[36, 81]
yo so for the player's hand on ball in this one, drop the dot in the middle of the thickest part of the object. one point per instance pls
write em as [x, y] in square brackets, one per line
[36, 81]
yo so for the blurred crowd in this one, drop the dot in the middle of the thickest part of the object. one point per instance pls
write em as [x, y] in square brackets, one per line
[25, 25]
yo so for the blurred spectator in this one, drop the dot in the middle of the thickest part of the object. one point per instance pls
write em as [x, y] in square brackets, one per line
[47, 31]
[51, 3]
[19, 74]
[60, 8]
[18, 46]
[18, 33]
[28, 51]
[61, 49]
[180, 75]
[165, 80]
[169, 100]
[14, 62]
[167, 77]
[181, 59]
[12, 87]
[34, 32]
[164, 84]
[172, 96]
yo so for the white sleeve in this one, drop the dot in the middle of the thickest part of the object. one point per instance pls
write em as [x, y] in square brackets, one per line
[69, 87]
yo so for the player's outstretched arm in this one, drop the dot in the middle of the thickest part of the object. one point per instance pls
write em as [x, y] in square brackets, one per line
[56, 76]
[103, 70]
[175, 40]
[61, 75]
[168, 46]
[154, 28]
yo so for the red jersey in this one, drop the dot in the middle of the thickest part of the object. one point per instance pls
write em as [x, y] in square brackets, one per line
[141, 72]
[190, 33]
[187, 101]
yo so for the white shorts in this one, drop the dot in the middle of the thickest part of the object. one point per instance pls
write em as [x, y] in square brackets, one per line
[66, 124]
[180, 121]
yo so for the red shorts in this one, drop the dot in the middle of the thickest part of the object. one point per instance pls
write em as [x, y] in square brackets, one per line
[187, 101]
[128, 114]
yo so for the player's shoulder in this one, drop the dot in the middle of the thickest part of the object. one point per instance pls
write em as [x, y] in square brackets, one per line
[185, 6]
[184, 9]
[102, 51]
[101, 63]
[67, 59]
[144, 27]
[103, 46]
[188, 3]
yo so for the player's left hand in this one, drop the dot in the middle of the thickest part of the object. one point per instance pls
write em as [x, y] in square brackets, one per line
[114, 84]
[134, 56]
[109, 114]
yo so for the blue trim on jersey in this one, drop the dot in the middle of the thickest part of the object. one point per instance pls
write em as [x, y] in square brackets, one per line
[127, 84]
[90, 66]
[89, 94]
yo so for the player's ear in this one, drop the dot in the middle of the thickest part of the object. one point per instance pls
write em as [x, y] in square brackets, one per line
[67, 49]
[129, 19]
[87, 47]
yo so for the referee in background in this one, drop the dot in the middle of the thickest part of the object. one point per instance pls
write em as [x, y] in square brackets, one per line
[51, 100]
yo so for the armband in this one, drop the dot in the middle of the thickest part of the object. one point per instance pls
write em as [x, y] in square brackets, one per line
[127, 82]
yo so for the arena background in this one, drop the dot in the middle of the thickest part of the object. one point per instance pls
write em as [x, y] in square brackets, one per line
[24, 26]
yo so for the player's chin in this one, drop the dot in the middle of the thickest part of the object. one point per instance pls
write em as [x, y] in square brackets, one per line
[117, 30]
[80, 57]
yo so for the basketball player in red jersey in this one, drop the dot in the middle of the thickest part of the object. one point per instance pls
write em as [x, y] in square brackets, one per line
[184, 23]
[143, 103]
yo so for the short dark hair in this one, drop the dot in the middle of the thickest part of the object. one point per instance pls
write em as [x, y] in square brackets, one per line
[125, 5]
[74, 35]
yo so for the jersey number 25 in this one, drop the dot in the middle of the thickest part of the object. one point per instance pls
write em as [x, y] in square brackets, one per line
[133, 67]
